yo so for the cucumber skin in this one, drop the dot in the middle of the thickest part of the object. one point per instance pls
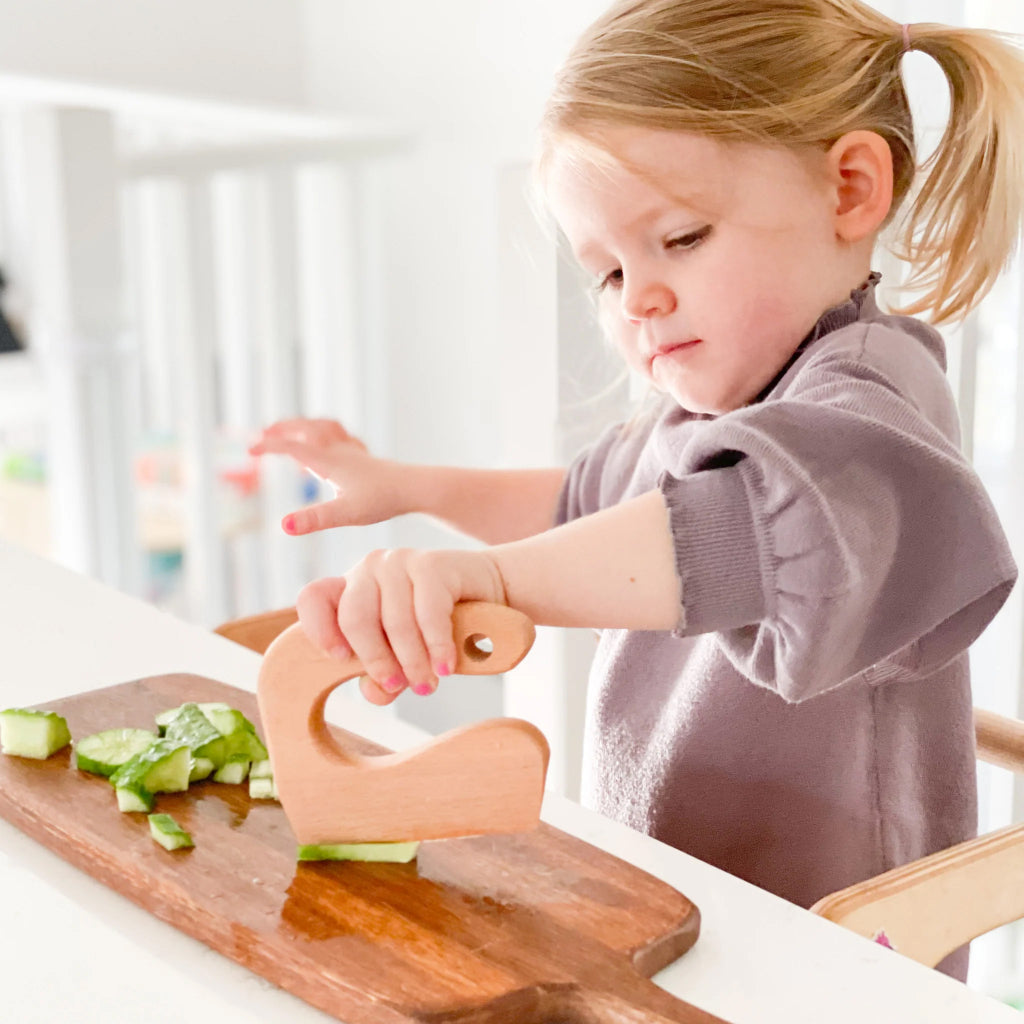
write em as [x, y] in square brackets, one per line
[134, 801]
[240, 739]
[191, 726]
[49, 731]
[164, 718]
[86, 763]
[134, 774]
[168, 833]
[385, 853]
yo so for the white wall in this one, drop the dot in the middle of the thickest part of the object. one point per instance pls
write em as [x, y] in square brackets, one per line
[468, 79]
[244, 49]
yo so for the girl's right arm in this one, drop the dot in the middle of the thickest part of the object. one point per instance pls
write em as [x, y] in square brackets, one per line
[495, 506]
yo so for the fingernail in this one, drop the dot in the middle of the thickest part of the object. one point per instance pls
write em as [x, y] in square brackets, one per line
[394, 684]
[341, 652]
[423, 689]
[289, 524]
[443, 669]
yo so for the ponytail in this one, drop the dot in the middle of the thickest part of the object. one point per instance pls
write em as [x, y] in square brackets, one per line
[805, 72]
[963, 221]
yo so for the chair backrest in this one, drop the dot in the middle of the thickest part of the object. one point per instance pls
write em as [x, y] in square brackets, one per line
[932, 906]
[258, 631]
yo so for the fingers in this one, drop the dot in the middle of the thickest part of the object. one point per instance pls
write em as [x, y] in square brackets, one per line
[323, 516]
[359, 619]
[317, 605]
[393, 611]
[396, 614]
[403, 628]
[281, 437]
[433, 613]
[374, 694]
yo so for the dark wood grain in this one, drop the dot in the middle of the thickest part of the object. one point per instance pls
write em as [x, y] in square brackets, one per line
[532, 928]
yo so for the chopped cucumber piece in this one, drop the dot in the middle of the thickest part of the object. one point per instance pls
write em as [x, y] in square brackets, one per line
[262, 788]
[243, 743]
[191, 726]
[396, 853]
[261, 770]
[163, 767]
[104, 752]
[241, 739]
[168, 833]
[233, 773]
[138, 799]
[164, 718]
[202, 768]
[29, 733]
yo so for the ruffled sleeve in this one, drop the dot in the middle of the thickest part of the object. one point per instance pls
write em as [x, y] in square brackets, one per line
[835, 531]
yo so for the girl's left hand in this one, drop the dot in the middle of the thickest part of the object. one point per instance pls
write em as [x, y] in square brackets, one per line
[394, 612]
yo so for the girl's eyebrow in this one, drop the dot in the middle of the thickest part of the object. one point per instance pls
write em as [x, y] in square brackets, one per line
[594, 248]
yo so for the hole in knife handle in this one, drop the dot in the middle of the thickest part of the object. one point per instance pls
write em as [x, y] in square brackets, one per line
[478, 647]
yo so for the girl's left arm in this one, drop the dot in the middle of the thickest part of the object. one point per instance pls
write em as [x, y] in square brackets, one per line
[613, 569]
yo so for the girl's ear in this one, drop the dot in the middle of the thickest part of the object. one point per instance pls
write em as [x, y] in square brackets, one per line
[860, 171]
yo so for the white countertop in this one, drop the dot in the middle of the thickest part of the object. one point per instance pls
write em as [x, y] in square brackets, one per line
[74, 950]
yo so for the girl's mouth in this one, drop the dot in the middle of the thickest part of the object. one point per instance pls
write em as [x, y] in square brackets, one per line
[675, 349]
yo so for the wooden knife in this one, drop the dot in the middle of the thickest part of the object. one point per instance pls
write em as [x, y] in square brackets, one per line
[486, 777]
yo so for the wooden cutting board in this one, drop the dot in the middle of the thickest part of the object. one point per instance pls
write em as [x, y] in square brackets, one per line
[532, 928]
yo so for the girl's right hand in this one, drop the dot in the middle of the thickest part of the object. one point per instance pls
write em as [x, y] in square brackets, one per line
[393, 611]
[367, 488]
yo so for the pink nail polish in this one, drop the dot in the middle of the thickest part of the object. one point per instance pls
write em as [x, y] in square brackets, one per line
[289, 524]
[443, 669]
[394, 684]
[422, 689]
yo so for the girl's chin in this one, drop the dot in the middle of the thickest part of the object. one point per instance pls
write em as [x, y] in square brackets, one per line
[702, 405]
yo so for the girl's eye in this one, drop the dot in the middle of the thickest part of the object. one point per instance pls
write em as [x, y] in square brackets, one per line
[690, 240]
[613, 279]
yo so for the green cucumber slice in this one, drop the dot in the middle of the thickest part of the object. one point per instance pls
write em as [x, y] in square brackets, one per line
[261, 770]
[134, 800]
[191, 726]
[393, 853]
[164, 718]
[104, 752]
[163, 767]
[262, 788]
[239, 732]
[233, 773]
[28, 733]
[241, 739]
[202, 768]
[168, 833]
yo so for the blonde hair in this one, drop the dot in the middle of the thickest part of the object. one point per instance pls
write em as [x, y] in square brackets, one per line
[805, 72]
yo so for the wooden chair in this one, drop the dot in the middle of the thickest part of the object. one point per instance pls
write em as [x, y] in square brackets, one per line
[925, 909]
[257, 631]
[932, 906]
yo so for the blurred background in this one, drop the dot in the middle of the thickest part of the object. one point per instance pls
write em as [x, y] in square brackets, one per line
[217, 213]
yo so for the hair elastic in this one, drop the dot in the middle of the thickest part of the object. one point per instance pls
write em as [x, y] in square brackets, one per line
[907, 47]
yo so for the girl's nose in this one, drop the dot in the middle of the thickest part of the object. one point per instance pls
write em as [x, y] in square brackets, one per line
[647, 299]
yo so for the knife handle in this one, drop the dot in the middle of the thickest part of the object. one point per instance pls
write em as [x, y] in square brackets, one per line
[489, 639]
[509, 632]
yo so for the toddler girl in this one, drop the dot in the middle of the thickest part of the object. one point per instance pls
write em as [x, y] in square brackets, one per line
[787, 555]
